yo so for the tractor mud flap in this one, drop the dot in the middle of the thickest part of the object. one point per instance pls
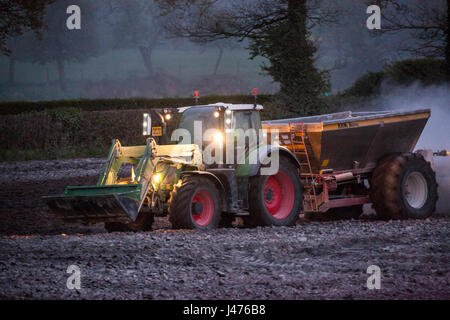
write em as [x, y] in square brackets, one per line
[103, 207]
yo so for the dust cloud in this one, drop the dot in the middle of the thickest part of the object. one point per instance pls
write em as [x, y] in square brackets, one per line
[436, 135]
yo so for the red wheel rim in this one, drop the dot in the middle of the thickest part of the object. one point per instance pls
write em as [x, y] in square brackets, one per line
[279, 195]
[205, 216]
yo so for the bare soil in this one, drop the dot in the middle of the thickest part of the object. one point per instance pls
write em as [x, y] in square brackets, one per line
[313, 260]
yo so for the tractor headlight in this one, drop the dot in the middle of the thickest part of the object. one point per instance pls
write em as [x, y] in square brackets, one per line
[218, 137]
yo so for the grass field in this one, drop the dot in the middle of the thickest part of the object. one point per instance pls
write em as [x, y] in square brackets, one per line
[121, 64]
[40, 82]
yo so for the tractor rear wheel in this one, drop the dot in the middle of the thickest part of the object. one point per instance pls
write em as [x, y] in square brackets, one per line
[404, 186]
[195, 204]
[143, 222]
[275, 200]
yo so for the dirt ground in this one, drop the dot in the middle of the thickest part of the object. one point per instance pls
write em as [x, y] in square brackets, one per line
[313, 260]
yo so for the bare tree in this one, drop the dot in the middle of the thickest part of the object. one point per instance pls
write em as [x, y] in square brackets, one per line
[278, 30]
[137, 24]
[209, 20]
[221, 46]
[19, 16]
[60, 45]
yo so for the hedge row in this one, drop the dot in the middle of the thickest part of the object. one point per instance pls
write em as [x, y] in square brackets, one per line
[68, 132]
[65, 130]
[401, 73]
[18, 107]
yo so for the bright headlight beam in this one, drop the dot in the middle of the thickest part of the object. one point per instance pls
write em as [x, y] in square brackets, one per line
[218, 137]
[156, 178]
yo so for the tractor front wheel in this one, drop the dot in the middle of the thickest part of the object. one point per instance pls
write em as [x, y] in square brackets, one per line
[195, 204]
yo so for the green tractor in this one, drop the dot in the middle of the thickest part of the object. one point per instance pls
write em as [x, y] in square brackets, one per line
[193, 182]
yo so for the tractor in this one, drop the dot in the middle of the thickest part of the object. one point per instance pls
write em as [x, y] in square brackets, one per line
[171, 177]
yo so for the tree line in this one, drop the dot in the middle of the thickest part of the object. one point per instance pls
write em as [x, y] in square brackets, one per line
[285, 32]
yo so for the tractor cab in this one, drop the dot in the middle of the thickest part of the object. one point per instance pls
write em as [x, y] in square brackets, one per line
[235, 126]
[167, 124]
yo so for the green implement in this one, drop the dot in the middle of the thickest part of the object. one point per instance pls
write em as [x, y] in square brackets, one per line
[112, 199]
[116, 199]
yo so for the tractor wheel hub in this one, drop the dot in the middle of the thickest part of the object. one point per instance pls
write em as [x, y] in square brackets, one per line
[269, 195]
[197, 208]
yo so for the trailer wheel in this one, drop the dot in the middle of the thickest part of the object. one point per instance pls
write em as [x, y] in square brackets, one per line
[195, 204]
[276, 199]
[404, 186]
[143, 222]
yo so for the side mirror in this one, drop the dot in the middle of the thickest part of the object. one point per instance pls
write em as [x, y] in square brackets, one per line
[228, 119]
[147, 124]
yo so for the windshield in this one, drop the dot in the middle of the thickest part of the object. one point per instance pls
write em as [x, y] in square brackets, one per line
[205, 115]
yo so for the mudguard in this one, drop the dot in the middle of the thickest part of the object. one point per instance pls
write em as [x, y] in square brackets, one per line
[263, 153]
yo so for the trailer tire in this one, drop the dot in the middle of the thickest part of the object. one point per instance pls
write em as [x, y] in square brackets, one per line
[143, 222]
[183, 202]
[404, 186]
[275, 200]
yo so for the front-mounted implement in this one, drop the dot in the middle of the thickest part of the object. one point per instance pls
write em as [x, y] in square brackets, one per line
[116, 199]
